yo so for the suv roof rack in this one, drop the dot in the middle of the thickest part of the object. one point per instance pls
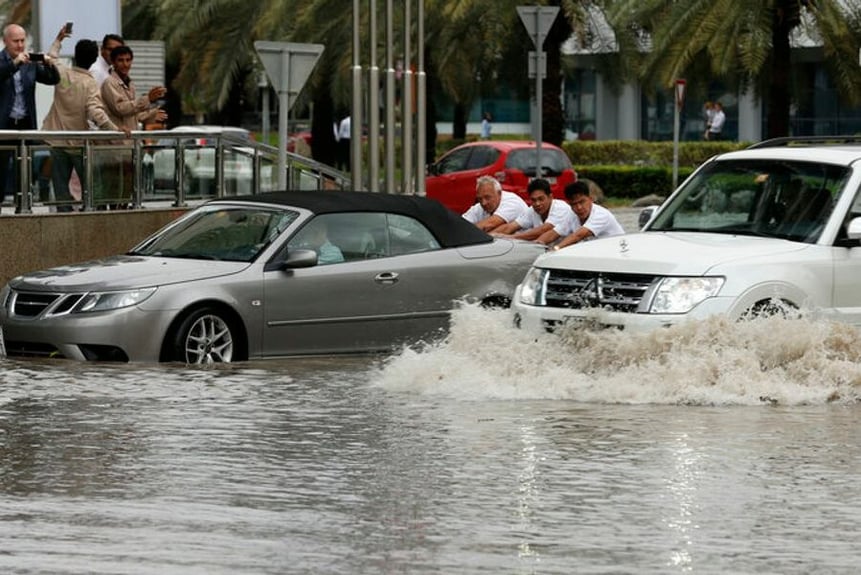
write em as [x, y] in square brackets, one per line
[805, 141]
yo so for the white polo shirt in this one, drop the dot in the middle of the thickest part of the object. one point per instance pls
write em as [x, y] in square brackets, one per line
[510, 206]
[558, 215]
[601, 222]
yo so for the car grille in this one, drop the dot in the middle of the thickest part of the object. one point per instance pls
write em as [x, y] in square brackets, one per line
[34, 304]
[582, 289]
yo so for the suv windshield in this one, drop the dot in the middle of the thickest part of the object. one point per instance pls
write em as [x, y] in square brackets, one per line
[782, 199]
[220, 233]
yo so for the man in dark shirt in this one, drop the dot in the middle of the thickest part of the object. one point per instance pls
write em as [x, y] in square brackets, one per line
[19, 73]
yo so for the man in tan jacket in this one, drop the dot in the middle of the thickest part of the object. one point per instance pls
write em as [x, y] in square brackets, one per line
[125, 110]
[76, 100]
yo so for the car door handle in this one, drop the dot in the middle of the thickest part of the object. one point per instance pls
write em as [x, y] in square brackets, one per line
[386, 278]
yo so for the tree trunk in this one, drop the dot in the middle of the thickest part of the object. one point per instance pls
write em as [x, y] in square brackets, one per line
[553, 115]
[323, 144]
[459, 122]
[778, 99]
[430, 117]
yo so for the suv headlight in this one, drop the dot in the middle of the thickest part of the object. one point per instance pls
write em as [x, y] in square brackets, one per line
[533, 287]
[104, 301]
[681, 295]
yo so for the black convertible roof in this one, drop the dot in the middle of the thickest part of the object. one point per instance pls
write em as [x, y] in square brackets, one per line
[449, 228]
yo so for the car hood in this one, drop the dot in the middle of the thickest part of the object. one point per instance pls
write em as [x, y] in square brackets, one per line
[665, 253]
[124, 272]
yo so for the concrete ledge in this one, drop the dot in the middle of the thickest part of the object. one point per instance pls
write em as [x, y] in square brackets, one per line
[37, 241]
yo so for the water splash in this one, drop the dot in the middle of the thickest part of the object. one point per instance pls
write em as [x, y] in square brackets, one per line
[799, 361]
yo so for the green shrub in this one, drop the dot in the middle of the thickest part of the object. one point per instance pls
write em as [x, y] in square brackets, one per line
[632, 182]
[642, 153]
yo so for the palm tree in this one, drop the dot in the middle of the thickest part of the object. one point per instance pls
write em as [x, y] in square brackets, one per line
[745, 42]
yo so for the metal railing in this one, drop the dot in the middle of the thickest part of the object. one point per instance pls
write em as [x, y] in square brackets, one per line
[151, 168]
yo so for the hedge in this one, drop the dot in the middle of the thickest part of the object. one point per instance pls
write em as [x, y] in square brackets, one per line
[642, 153]
[632, 182]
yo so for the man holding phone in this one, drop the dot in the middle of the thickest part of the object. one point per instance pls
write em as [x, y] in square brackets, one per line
[18, 77]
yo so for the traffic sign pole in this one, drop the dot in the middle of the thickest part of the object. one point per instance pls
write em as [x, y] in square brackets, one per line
[680, 102]
[538, 20]
[288, 66]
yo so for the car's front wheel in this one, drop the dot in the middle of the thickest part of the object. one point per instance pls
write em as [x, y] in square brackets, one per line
[205, 336]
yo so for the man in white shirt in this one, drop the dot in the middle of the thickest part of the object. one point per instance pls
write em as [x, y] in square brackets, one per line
[547, 219]
[494, 207]
[588, 220]
[101, 68]
[718, 120]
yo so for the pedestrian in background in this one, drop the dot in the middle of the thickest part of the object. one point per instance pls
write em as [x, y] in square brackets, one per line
[708, 114]
[486, 126]
[717, 123]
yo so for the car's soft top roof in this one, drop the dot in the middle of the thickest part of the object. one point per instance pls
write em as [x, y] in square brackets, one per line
[449, 228]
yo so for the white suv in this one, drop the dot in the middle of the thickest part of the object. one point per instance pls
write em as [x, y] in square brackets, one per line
[774, 227]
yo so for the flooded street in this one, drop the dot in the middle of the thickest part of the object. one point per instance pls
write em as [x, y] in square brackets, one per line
[710, 448]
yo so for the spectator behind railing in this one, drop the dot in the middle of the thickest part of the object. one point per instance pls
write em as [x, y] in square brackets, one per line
[261, 161]
[76, 100]
[19, 72]
[126, 110]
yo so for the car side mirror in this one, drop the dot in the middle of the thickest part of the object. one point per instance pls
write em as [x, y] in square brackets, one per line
[299, 258]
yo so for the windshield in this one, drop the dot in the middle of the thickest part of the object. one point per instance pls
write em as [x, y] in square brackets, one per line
[231, 233]
[782, 199]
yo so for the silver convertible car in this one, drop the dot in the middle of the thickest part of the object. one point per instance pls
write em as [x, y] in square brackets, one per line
[271, 275]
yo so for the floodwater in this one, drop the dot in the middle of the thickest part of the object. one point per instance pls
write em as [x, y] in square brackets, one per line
[708, 448]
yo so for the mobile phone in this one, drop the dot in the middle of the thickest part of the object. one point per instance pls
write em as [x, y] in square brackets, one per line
[68, 27]
[37, 57]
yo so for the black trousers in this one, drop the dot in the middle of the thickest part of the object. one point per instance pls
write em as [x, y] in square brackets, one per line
[9, 168]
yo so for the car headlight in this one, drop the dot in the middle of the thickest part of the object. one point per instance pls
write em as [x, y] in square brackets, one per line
[104, 301]
[532, 288]
[681, 295]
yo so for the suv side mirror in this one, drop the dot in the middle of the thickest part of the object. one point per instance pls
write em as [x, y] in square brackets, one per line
[646, 215]
[853, 230]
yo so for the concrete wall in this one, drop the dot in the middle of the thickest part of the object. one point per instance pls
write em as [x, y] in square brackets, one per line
[38, 241]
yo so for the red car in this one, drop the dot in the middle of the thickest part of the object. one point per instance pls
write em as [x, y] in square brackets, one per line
[451, 180]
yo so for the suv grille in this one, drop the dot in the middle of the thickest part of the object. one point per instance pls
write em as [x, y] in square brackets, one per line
[582, 289]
